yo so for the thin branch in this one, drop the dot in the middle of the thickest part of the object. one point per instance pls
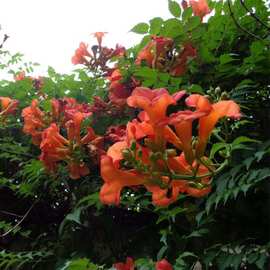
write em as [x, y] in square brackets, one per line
[18, 224]
[252, 14]
[10, 214]
[4, 40]
[238, 25]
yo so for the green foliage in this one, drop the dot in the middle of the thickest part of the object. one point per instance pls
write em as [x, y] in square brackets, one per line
[19, 260]
[243, 175]
[236, 256]
[80, 264]
[174, 8]
[6, 228]
[140, 28]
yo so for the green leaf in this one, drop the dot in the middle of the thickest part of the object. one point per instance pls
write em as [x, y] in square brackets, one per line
[172, 28]
[193, 23]
[261, 262]
[195, 88]
[161, 252]
[187, 13]
[140, 28]
[155, 25]
[216, 147]
[174, 8]
[225, 59]
[242, 139]
[197, 233]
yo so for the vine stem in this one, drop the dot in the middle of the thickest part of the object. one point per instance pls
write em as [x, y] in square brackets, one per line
[252, 14]
[10, 214]
[18, 223]
[237, 23]
[187, 177]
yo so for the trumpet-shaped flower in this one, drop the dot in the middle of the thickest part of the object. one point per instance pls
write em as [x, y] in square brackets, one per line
[8, 105]
[200, 7]
[34, 122]
[155, 52]
[115, 180]
[168, 195]
[118, 90]
[20, 76]
[80, 54]
[215, 111]
[154, 102]
[99, 36]
[57, 148]
[179, 66]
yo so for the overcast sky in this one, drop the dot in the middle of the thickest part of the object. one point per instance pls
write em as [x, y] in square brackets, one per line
[49, 31]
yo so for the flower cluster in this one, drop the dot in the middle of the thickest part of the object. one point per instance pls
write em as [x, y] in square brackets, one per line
[160, 53]
[160, 151]
[55, 147]
[119, 91]
[62, 110]
[97, 58]
[44, 127]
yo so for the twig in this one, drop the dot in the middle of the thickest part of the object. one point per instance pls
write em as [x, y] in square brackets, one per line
[4, 40]
[10, 214]
[238, 25]
[18, 224]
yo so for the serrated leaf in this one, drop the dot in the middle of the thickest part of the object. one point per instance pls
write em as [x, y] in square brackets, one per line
[140, 28]
[193, 23]
[155, 25]
[174, 8]
[187, 13]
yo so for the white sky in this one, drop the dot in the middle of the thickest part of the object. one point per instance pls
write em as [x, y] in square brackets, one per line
[49, 31]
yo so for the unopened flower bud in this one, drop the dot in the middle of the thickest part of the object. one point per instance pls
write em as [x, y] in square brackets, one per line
[140, 153]
[126, 154]
[133, 146]
[171, 152]
[224, 96]
[194, 144]
[218, 91]
[155, 156]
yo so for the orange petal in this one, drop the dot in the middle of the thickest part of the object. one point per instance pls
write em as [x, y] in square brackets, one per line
[200, 102]
[197, 193]
[115, 179]
[154, 102]
[206, 124]
[116, 151]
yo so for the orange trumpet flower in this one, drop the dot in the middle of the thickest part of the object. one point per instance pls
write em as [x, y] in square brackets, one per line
[200, 7]
[215, 111]
[34, 122]
[99, 36]
[115, 180]
[154, 102]
[80, 53]
[8, 105]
